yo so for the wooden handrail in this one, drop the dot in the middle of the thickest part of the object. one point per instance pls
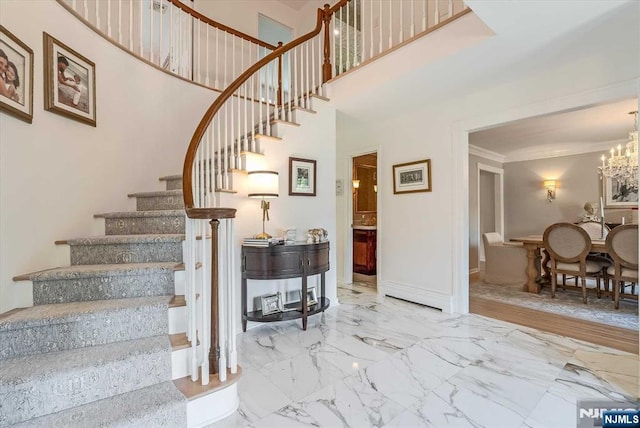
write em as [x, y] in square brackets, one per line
[201, 17]
[187, 170]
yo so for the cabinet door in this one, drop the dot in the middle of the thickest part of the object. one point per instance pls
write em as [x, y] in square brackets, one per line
[318, 259]
[364, 251]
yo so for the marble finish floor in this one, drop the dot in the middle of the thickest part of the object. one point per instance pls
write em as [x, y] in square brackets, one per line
[567, 302]
[391, 363]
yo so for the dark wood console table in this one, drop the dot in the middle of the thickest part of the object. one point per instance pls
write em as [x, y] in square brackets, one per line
[282, 262]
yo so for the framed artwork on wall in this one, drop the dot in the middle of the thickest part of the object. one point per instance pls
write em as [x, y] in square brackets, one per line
[16, 70]
[302, 177]
[412, 177]
[69, 82]
[618, 194]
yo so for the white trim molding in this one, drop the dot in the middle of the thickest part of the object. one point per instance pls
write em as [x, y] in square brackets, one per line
[487, 154]
[558, 150]
[419, 295]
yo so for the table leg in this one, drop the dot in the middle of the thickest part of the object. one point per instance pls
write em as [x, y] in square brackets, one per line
[322, 287]
[545, 266]
[304, 302]
[244, 304]
[532, 272]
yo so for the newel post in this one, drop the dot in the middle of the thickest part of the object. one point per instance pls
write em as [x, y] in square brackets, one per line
[326, 65]
[214, 351]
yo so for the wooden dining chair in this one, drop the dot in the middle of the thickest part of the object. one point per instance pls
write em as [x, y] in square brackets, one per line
[622, 245]
[568, 246]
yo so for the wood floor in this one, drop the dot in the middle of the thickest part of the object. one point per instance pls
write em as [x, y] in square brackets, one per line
[589, 331]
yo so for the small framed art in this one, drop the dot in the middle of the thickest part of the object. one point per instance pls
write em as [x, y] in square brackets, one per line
[412, 177]
[302, 177]
[69, 82]
[16, 76]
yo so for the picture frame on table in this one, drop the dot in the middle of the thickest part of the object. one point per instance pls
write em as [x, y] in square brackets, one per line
[312, 297]
[69, 82]
[302, 177]
[618, 194]
[16, 69]
[272, 304]
[412, 177]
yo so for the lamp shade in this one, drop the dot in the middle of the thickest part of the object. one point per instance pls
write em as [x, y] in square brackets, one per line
[549, 184]
[263, 184]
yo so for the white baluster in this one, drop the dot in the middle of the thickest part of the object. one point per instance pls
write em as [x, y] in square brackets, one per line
[109, 18]
[97, 15]
[218, 152]
[225, 59]
[424, 15]
[74, 5]
[341, 37]
[140, 28]
[253, 107]
[205, 299]
[161, 26]
[306, 76]
[222, 302]
[295, 76]
[233, 58]
[450, 9]
[437, 12]
[151, 31]
[216, 84]
[390, 24]
[289, 87]
[348, 52]
[412, 29]
[233, 353]
[370, 30]
[131, 25]
[86, 10]
[190, 229]
[355, 34]
[380, 29]
[207, 56]
[198, 42]
[401, 35]
[314, 88]
[120, 21]
[269, 88]
[172, 37]
[260, 99]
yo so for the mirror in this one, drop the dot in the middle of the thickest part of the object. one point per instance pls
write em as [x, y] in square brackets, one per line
[365, 194]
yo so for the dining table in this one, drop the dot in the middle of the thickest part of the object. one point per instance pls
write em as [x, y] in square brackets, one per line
[534, 244]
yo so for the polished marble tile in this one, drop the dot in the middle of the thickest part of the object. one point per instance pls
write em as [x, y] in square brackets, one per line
[383, 362]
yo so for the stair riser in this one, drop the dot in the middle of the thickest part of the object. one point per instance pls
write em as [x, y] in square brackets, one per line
[126, 253]
[103, 288]
[174, 184]
[85, 330]
[144, 225]
[154, 203]
[64, 390]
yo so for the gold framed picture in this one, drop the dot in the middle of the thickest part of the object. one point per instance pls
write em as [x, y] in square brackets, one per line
[412, 177]
[16, 76]
[69, 82]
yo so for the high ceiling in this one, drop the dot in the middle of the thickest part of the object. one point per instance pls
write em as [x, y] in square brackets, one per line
[296, 4]
[590, 129]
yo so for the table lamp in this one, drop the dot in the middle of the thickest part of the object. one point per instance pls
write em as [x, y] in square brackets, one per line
[263, 184]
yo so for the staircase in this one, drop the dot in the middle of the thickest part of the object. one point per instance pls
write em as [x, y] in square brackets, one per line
[95, 350]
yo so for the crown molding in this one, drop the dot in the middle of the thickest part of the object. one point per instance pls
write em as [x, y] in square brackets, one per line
[487, 154]
[546, 152]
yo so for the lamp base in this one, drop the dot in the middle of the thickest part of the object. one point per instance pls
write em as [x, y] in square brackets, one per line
[262, 235]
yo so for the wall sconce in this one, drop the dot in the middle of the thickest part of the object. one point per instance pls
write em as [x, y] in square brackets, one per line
[356, 184]
[550, 185]
[263, 184]
[375, 188]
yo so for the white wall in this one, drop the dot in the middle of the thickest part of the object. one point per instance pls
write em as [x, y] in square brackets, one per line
[56, 173]
[420, 233]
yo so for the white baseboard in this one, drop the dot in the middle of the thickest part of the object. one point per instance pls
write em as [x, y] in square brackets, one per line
[418, 295]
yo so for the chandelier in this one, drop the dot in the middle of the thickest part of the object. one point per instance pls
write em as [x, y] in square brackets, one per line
[623, 165]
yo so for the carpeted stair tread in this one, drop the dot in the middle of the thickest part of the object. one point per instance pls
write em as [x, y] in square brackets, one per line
[19, 370]
[89, 271]
[160, 405]
[124, 239]
[158, 193]
[142, 214]
[70, 312]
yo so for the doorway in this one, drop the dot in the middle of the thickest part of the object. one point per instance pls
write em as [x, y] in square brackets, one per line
[364, 186]
[490, 204]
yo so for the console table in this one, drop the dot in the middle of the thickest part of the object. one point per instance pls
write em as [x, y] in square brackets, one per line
[297, 260]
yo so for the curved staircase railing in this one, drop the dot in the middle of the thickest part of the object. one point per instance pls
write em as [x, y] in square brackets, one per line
[240, 119]
[171, 36]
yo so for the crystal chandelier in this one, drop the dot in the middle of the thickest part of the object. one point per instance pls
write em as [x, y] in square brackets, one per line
[623, 166]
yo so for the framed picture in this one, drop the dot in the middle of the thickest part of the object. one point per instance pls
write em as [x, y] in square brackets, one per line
[302, 177]
[16, 72]
[312, 298]
[271, 304]
[69, 82]
[412, 177]
[618, 194]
